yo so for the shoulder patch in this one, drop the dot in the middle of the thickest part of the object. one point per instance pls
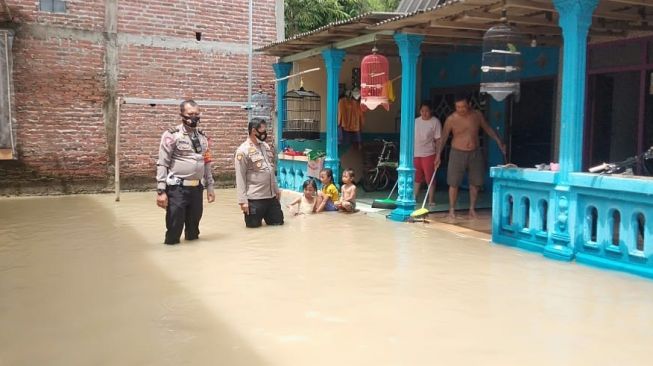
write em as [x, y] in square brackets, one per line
[239, 156]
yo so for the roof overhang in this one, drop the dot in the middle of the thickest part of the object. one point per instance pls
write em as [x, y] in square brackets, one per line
[456, 23]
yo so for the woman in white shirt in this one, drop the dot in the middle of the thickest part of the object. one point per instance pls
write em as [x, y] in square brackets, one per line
[427, 139]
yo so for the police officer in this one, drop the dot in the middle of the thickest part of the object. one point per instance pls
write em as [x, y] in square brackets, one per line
[183, 170]
[256, 185]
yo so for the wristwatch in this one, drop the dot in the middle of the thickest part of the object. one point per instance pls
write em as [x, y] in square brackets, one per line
[160, 191]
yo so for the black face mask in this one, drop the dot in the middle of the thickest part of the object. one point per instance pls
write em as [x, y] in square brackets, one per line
[261, 136]
[191, 121]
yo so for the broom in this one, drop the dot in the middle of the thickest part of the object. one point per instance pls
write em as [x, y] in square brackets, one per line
[424, 211]
[386, 203]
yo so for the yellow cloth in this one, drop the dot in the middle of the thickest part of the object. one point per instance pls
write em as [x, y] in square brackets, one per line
[350, 115]
[390, 92]
[332, 192]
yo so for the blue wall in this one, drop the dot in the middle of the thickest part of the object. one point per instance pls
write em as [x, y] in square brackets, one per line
[462, 68]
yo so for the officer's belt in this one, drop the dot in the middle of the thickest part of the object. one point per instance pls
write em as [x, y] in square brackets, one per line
[183, 182]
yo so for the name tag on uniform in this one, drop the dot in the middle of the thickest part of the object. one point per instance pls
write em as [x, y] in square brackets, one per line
[183, 145]
[256, 157]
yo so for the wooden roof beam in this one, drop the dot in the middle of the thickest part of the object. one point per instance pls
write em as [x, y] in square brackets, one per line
[458, 25]
[431, 40]
[471, 15]
[444, 33]
[634, 2]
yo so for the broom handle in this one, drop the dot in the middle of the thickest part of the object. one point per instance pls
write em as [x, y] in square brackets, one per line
[393, 189]
[429, 188]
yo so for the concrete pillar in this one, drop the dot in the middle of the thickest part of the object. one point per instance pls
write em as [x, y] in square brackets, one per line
[281, 70]
[575, 20]
[333, 61]
[409, 50]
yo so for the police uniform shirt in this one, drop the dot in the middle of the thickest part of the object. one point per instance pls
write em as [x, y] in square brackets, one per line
[255, 172]
[178, 159]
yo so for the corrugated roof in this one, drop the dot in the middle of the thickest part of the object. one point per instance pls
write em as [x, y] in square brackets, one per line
[440, 5]
[360, 22]
[411, 6]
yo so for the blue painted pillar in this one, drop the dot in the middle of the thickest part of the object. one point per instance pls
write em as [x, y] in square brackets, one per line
[575, 20]
[333, 60]
[409, 50]
[281, 70]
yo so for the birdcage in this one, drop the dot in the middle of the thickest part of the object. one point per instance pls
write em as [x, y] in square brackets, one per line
[375, 71]
[262, 107]
[502, 61]
[302, 115]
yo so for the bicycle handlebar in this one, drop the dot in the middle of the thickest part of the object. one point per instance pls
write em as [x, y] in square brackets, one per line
[610, 168]
[599, 168]
[385, 142]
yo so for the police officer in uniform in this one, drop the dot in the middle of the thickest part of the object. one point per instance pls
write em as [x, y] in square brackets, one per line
[256, 185]
[183, 170]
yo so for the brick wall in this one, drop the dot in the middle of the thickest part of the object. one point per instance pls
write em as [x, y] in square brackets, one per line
[63, 92]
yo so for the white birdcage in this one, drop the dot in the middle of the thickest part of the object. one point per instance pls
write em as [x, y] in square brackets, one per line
[502, 61]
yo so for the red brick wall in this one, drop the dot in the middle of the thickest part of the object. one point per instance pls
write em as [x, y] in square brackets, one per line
[218, 20]
[60, 88]
[86, 14]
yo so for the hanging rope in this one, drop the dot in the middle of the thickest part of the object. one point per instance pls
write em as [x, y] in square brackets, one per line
[297, 74]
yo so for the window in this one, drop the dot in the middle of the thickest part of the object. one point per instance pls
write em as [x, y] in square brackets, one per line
[53, 6]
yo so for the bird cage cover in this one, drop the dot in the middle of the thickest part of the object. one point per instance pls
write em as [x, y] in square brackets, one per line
[375, 71]
[262, 105]
[303, 111]
[502, 61]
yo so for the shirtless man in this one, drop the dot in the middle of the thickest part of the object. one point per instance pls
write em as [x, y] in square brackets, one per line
[465, 154]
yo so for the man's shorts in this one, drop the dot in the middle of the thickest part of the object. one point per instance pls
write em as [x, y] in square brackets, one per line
[461, 161]
[349, 137]
[266, 209]
[424, 168]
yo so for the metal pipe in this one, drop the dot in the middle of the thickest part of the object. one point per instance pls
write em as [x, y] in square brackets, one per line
[249, 62]
[11, 129]
[116, 159]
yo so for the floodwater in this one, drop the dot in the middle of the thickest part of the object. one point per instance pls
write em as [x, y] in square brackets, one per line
[86, 281]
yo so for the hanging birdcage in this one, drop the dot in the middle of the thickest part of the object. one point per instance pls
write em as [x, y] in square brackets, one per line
[502, 61]
[262, 105]
[302, 115]
[375, 71]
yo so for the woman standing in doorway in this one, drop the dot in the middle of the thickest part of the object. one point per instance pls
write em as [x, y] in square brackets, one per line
[427, 139]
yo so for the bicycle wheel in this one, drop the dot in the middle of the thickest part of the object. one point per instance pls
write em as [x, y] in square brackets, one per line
[371, 180]
[383, 181]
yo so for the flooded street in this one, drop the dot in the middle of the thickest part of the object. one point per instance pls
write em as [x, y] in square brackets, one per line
[87, 281]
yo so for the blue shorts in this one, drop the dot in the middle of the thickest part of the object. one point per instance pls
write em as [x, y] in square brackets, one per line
[330, 206]
[348, 137]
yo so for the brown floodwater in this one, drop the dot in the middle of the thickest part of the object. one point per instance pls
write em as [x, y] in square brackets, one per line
[86, 281]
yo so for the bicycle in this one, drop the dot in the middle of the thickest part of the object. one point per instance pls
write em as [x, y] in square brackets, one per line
[625, 166]
[385, 171]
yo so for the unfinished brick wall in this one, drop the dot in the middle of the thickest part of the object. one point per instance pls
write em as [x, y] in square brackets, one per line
[63, 90]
